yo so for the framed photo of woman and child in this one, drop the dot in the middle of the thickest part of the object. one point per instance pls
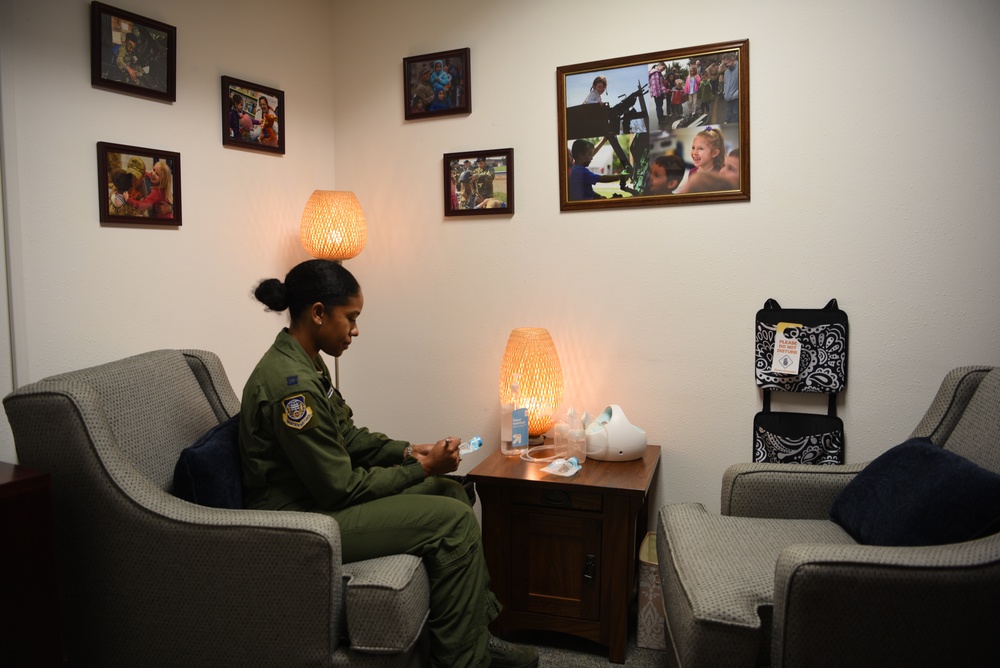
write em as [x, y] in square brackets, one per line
[437, 84]
[479, 183]
[671, 127]
[132, 54]
[138, 185]
[253, 116]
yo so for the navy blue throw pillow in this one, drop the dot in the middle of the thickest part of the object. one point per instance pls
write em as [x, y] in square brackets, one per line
[919, 494]
[209, 471]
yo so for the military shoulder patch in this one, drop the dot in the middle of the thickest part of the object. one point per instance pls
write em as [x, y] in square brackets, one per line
[297, 411]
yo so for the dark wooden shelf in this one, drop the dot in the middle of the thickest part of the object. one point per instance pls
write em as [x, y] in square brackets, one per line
[29, 612]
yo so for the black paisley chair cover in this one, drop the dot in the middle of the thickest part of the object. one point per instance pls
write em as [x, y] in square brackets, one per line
[801, 438]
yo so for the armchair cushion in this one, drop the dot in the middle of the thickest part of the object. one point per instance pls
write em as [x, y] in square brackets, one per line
[919, 494]
[387, 603]
[209, 471]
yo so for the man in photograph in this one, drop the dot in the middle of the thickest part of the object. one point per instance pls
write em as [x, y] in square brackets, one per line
[483, 179]
[730, 88]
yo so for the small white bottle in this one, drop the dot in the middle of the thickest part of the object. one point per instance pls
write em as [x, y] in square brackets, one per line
[470, 446]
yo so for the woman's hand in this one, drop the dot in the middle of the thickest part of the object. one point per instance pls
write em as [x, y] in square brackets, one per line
[438, 458]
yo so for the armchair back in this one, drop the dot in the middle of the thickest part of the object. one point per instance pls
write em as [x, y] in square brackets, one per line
[965, 415]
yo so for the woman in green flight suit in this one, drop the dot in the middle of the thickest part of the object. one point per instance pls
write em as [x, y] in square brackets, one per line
[302, 451]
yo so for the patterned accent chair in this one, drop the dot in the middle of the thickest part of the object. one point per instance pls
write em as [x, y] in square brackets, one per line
[772, 581]
[147, 579]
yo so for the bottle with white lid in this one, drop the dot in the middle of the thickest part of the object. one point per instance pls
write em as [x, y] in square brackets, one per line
[470, 446]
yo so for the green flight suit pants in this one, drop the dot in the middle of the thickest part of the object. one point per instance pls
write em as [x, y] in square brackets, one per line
[434, 521]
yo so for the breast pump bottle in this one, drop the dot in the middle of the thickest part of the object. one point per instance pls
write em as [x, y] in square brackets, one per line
[576, 440]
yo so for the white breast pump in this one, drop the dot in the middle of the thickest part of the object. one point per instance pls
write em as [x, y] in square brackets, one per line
[612, 438]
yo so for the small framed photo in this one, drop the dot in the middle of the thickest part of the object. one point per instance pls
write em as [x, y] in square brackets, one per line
[479, 183]
[671, 127]
[132, 54]
[138, 185]
[437, 84]
[253, 116]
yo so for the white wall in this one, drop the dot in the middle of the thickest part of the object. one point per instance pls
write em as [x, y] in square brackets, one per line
[884, 185]
[84, 294]
[874, 180]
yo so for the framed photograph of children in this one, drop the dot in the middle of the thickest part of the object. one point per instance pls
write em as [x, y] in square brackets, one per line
[437, 84]
[138, 185]
[671, 127]
[253, 116]
[479, 183]
[132, 54]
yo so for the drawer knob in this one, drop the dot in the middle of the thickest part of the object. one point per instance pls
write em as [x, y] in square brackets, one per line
[555, 497]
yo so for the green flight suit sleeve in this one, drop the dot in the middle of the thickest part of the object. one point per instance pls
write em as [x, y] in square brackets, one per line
[367, 448]
[316, 441]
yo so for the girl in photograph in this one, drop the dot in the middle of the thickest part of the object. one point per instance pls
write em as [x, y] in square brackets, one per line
[160, 201]
[267, 119]
[708, 153]
[597, 90]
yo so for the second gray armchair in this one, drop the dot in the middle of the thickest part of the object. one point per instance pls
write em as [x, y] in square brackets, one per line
[772, 581]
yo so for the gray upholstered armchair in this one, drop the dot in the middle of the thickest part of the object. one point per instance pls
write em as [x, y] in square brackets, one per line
[773, 581]
[147, 579]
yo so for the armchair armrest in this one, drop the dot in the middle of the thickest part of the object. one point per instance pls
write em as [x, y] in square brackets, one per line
[784, 491]
[852, 605]
[205, 586]
[268, 582]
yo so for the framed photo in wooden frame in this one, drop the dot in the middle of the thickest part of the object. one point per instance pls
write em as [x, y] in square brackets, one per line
[479, 183]
[138, 185]
[132, 54]
[253, 116]
[437, 84]
[663, 128]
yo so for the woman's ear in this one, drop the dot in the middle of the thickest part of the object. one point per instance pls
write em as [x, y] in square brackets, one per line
[317, 311]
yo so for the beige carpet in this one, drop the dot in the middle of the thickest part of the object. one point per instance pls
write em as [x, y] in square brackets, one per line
[558, 650]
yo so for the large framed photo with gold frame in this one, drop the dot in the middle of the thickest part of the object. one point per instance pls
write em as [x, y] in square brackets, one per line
[663, 128]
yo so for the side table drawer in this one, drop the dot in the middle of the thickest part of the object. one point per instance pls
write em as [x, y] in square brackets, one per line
[557, 498]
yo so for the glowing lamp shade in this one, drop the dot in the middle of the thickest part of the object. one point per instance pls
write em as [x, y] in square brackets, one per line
[530, 358]
[333, 225]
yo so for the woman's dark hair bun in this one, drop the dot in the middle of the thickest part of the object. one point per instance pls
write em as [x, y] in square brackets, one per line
[309, 282]
[272, 294]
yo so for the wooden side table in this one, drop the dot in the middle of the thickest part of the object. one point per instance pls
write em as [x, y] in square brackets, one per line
[29, 610]
[562, 552]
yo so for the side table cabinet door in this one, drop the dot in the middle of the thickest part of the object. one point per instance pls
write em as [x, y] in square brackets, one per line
[556, 565]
